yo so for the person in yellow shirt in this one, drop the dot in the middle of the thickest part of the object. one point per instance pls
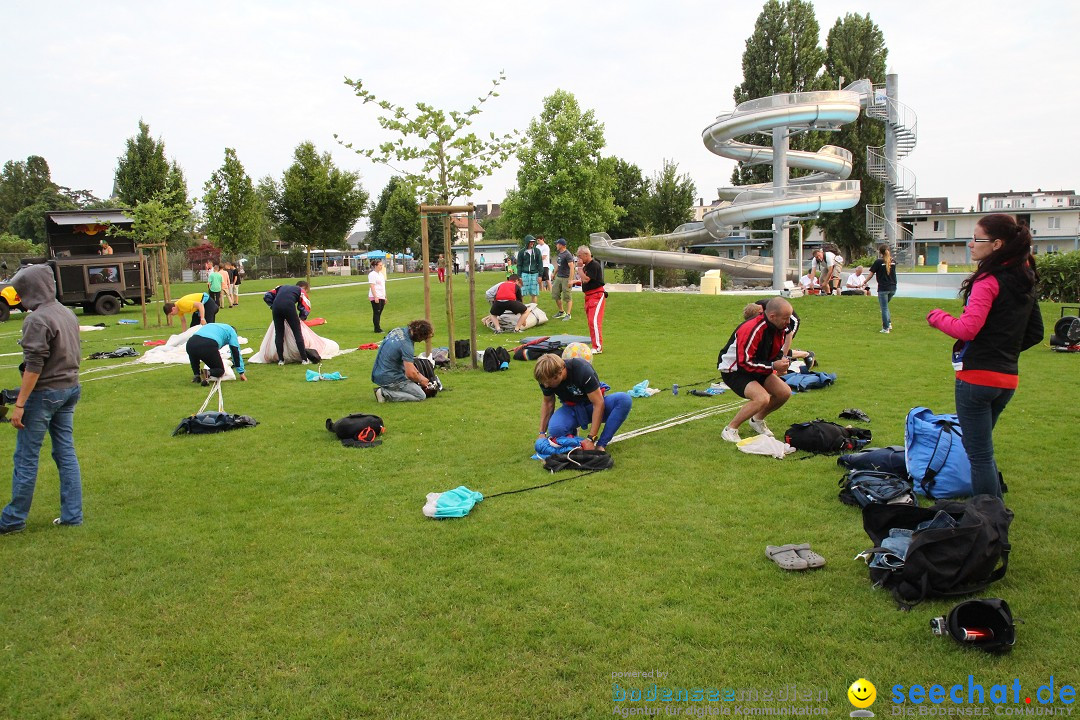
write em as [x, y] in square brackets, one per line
[200, 306]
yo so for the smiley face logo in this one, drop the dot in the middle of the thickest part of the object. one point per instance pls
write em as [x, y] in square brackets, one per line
[862, 693]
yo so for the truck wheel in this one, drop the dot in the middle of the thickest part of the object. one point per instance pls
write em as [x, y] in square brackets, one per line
[5, 311]
[107, 305]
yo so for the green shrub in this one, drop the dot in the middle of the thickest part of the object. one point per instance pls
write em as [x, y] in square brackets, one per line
[866, 261]
[1059, 277]
[15, 244]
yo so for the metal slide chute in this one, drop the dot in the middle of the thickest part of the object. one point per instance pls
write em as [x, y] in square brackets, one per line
[826, 189]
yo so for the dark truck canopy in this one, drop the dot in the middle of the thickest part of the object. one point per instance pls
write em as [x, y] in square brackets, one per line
[72, 233]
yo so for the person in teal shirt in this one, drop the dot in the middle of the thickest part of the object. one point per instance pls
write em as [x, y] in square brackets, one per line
[204, 347]
[213, 282]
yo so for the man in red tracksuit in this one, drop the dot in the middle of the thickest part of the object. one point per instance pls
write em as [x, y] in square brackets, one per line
[751, 364]
[592, 284]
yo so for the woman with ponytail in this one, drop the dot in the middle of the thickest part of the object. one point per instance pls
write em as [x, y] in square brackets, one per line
[1001, 318]
[884, 269]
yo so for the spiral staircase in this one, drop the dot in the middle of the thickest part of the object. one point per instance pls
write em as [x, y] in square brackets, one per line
[902, 123]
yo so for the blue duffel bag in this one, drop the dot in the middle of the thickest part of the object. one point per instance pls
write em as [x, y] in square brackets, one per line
[936, 459]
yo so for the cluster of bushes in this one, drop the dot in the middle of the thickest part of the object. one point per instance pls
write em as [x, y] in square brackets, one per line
[1059, 277]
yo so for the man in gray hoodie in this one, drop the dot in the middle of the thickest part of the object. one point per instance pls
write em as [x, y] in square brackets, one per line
[47, 399]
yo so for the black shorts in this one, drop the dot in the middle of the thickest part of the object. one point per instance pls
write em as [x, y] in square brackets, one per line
[739, 379]
[500, 306]
[544, 274]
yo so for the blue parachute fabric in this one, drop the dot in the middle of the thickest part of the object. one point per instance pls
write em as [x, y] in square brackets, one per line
[545, 449]
[809, 380]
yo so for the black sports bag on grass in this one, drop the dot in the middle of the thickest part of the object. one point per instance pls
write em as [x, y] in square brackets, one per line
[946, 561]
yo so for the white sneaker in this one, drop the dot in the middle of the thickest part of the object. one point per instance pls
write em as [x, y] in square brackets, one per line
[885, 330]
[760, 427]
[730, 434]
[280, 362]
[379, 396]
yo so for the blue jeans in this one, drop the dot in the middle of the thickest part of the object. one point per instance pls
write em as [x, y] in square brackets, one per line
[978, 407]
[568, 418]
[52, 411]
[404, 391]
[883, 298]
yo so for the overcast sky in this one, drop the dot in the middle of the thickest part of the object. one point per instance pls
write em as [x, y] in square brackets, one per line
[993, 83]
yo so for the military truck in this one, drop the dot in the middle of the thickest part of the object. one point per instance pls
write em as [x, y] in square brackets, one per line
[87, 275]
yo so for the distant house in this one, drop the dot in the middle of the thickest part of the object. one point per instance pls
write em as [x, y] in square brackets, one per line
[1040, 199]
[487, 210]
[460, 228]
[357, 240]
[943, 234]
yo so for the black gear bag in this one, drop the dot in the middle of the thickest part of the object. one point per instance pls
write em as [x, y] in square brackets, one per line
[965, 549]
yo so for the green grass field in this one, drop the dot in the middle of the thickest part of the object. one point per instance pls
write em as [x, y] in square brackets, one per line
[272, 573]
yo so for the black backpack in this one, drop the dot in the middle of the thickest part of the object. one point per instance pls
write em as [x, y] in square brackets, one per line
[494, 357]
[461, 349]
[944, 561]
[985, 624]
[578, 459]
[358, 429]
[426, 368]
[532, 351]
[863, 487]
[822, 436]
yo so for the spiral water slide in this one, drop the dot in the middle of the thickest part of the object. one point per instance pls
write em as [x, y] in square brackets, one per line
[826, 189]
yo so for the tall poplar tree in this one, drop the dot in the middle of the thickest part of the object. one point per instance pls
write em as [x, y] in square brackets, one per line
[781, 56]
[855, 49]
[142, 171]
[232, 209]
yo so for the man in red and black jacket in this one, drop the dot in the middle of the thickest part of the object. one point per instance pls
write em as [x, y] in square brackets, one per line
[508, 297]
[750, 363]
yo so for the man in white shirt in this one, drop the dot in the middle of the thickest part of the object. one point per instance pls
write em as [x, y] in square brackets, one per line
[545, 259]
[856, 283]
[809, 283]
[826, 267]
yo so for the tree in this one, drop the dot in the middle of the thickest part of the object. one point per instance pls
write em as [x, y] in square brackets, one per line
[401, 224]
[142, 171]
[154, 220]
[232, 209]
[29, 222]
[781, 56]
[671, 199]
[15, 244]
[267, 193]
[855, 49]
[630, 194]
[395, 219]
[495, 228]
[446, 164]
[565, 188]
[21, 184]
[318, 204]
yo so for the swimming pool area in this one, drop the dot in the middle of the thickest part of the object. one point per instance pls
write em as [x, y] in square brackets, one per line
[944, 286]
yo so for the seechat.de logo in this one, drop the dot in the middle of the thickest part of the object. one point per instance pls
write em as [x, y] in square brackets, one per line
[862, 694]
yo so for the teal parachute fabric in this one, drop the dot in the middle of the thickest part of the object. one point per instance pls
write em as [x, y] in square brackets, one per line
[452, 503]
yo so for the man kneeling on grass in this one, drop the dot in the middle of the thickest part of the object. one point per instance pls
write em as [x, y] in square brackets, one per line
[394, 371]
[750, 363]
[584, 404]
